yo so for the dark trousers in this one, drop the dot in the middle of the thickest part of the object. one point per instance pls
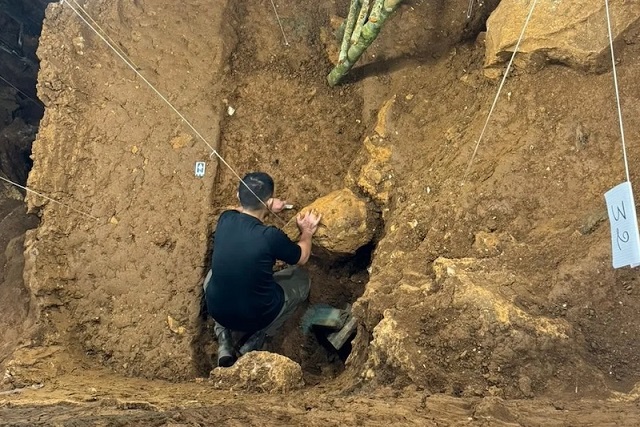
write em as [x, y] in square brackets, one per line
[295, 283]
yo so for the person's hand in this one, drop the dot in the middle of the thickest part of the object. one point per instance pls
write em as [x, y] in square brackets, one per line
[308, 222]
[276, 205]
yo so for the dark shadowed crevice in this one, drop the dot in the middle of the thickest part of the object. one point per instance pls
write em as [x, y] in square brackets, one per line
[20, 114]
[20, 109]
[338, 283]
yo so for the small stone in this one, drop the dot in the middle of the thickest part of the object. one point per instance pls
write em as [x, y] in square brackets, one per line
[181, 141]
[524, 384]
[134, 149]
[376, 175]
[174, 326]
[113, 220]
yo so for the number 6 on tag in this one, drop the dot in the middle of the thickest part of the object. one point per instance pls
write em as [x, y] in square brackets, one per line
[625, 238]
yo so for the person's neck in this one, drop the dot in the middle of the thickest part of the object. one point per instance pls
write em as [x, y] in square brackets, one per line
[259, 214]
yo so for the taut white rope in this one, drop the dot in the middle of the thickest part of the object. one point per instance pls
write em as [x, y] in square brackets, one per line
[615, 84]
[47, 198]
[504, 78]
[21, 92]
[166, 101]
[284, 36]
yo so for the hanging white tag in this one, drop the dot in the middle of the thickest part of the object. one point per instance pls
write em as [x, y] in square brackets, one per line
[625, 238]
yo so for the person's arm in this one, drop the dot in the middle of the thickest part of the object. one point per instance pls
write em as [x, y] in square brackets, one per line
[308, 225]
[305, 248]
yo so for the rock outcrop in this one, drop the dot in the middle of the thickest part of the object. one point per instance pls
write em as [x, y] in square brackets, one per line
[373, 173]
[471, 338]
[571, 32]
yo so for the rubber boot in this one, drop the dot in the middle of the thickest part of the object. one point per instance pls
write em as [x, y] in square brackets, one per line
[254, 343]
[225, 349]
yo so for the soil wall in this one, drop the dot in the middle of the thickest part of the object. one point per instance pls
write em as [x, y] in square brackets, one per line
[500, 281]
[108, 146]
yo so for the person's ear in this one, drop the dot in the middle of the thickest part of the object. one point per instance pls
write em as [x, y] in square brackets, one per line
[238, 195]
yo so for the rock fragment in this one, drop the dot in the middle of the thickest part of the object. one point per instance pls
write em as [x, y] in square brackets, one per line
[569, 32]
[259, 371]
[347, 223]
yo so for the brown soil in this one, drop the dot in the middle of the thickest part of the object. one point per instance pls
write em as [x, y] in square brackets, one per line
[17, 313]
[481, 290]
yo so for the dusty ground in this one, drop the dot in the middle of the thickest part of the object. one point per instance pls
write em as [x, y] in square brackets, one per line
[479, 294]
[100, 399]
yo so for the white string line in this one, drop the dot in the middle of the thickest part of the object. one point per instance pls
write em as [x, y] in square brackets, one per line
[175, 110]
[104, 32]
[286, 43]
[21, 92]
[615, 84]
[134, 69]
[470, 8]
[28, 189]
[48, 198]
[504, 78]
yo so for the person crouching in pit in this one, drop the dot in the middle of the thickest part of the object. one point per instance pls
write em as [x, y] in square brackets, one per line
[242, 292]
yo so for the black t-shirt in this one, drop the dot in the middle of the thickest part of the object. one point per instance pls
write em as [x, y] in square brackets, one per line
[242, 294]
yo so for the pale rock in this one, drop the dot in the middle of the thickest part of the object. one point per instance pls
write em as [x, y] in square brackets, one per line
[175, 326]
[8, 191]
[35, 365]
[181, 141]
[347, 223]
[491, 409]
[524, 384]
[570, 32]
[259, 371]
[372, 171]
[468, 281]
[471, 309]
[390, 347]
[491, 244]
[383, 116]
[375, 176]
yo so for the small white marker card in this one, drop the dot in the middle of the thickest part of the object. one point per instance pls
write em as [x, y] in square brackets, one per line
[200, 168]
[625, 239]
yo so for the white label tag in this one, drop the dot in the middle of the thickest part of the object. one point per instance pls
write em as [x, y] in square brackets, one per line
[200, 168]
[625, 239]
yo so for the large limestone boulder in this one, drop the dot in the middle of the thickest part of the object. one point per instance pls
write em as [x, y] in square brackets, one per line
[347, 222]
[259, 371]
[571, 32]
